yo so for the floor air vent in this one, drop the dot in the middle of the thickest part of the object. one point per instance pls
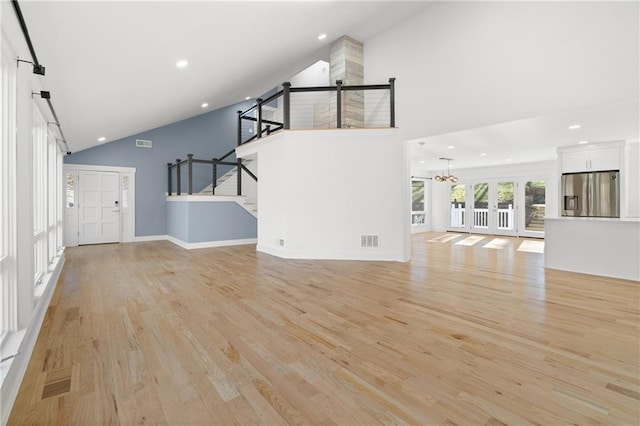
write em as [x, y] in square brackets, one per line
[369, 241]
[141, 143]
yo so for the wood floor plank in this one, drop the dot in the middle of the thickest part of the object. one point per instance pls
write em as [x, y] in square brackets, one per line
[149, 333]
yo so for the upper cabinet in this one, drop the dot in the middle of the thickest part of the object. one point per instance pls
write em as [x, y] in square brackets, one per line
[591, 158]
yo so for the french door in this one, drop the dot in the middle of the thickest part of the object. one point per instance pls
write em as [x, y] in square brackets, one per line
[533, 193]
[486, 206]
[99, 209]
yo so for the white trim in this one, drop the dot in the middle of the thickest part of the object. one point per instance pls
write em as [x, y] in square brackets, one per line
[25, 343]
[209, 244]
[70, 166]
[150, 238]
[207, 198]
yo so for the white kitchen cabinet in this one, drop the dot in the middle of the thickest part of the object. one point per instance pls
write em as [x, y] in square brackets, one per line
[591, 159]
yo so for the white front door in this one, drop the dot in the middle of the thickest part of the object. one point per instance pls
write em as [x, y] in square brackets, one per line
[99, 207]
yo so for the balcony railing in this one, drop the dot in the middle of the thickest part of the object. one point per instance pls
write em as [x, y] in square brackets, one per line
[316, 107]
[504, 220]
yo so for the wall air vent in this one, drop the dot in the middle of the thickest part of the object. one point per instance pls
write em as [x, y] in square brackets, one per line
[369, 241]
[141, 143]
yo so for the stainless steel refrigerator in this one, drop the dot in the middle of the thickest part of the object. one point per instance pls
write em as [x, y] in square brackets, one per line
[592, 194]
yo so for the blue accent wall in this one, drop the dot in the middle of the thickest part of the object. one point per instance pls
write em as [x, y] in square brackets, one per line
[205, 136]
[203, 221]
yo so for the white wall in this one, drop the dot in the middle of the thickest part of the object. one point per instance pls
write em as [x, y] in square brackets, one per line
[440, 200]
[462, 65]
[632, 166]
[320, 191]
[303, 104]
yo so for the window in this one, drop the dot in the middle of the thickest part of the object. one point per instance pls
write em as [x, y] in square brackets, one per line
[7, 192]
[40, 170]
[418, 212]
[458, 195]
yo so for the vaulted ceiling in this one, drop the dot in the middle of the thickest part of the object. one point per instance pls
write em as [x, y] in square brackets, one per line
[111, 65]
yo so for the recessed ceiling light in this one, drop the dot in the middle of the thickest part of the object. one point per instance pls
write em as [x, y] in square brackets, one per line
[574, 126]
[484, 154]
[204, 105]
[508, 159]
[322, 36]
[182, 63]
[247, 98]
[102, 139]
[451, 147]
[421, 161]
[583, 142]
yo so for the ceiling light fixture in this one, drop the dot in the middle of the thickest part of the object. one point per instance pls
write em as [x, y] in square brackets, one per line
[204, 105]
[421, 161]
[448, 177]
[508, 159]
[483, 154]
[247, 98]
[322, 36]
[574, 127]
[102, 139]
[451, 147]
[182, 63]
[583, 142]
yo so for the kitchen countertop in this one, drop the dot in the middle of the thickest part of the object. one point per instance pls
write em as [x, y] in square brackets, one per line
[596, 219]
[597, 246]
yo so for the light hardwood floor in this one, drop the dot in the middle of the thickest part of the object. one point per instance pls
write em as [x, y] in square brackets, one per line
[149, 333]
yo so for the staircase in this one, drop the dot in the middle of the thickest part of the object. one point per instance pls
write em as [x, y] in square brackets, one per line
[536, 218]
[227, 184]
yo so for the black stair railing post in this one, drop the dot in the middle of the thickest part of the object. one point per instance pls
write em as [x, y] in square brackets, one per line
[259, 110]
[169, 178]
[392, 102]
[239, 128]
[286, 105]
[268, 129]
[214, 176]
[178, 191]
[339, 104]
[190, 172]
[239, 179]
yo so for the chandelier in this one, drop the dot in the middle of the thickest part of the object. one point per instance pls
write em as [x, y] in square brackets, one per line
[448, 177]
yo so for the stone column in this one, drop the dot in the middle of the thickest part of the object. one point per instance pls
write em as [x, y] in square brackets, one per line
[346, 59]
[346, 64]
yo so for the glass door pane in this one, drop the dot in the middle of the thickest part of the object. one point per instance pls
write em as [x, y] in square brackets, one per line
[458, 195]
[481, 205]
[505, 216]
[535, 204]
[417, 202]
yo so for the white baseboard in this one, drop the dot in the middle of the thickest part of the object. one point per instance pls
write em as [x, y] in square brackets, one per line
[16, 367]
[150, 238]
[209, 244]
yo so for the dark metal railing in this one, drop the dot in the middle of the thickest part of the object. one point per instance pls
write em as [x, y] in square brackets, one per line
[214, 162]
[269, 126]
